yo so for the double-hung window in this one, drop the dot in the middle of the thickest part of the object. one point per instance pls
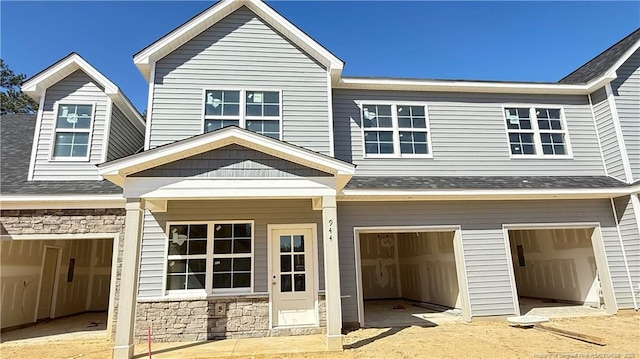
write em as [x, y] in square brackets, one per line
[395, 130]
[210, 257]
[536, 131]
[72, 131]
[257, 111]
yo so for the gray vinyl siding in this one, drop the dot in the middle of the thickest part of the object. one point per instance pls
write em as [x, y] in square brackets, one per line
[77, 87]
[233, 161]
[626, 89]
[607, 133]
[485, 254]
[124, 138]
[240, 52]
[263, 212]
[469, 136]
[627, 219]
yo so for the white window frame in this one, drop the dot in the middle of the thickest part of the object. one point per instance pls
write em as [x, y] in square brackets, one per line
[243, 108]
[535, 129]
[395, 129]
[208, 288]
[54, 131]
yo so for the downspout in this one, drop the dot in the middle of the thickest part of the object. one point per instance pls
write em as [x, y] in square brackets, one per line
[624, 254]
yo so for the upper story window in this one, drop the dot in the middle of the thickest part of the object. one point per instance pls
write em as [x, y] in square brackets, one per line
[258, 111]
[210, 257]
[72, 131]
[395, 130]
[536, 131]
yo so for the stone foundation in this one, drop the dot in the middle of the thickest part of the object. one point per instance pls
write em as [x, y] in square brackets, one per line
[182, 320]
[68, 221]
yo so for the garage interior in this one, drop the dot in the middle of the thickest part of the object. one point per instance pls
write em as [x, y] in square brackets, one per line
[555, 272]
[409, 278]
[47, 279]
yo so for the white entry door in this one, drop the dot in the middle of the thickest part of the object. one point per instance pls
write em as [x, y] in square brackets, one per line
[293, 282]
[48, 281]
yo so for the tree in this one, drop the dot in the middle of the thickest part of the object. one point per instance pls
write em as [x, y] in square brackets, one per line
[12, 99]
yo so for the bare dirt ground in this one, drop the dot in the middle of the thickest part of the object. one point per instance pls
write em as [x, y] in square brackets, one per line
[494, 339]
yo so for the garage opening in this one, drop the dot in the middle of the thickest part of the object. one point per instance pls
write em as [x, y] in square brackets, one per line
[555, 272]
[52, 287]
[409, 278]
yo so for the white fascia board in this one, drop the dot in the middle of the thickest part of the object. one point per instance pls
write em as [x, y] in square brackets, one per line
[471, 86]
[245, 188]
[480, 194]
[62, 69]
[187, 31]
[208, 142]
[61, 201]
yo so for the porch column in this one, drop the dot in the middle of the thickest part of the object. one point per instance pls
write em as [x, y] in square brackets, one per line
[331, 273]
[126, 305]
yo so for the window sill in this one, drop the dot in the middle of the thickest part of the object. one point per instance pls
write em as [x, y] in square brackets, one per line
[69, 159]
[198, 296]
[397, 157]
[538, 157]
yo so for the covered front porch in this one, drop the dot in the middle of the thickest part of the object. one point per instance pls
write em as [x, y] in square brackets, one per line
[229, 234]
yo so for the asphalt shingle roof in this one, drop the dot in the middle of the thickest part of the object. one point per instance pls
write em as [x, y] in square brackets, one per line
[16, 139]
[483, 182]
[600, 64]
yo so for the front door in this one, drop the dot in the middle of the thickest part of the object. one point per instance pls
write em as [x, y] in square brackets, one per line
[293, 282]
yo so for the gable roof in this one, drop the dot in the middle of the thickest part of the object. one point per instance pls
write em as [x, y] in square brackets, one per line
[116, 171]
[218, 11]
[606, 62]
[16, 137]
[62, 68]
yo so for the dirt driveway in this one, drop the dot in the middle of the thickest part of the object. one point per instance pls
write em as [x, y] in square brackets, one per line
[450, 340]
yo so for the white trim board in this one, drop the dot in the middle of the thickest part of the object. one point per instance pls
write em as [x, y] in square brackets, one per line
[61, 201]
[482, 194]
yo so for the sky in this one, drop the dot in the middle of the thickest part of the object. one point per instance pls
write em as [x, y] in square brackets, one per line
[479, 40]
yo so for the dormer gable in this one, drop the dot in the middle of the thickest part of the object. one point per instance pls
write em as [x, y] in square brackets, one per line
[79, 110]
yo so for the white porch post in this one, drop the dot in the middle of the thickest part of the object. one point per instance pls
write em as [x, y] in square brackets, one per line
[331, 273]
[123, 348]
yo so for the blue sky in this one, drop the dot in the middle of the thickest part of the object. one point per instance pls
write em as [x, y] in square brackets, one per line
[521, 41]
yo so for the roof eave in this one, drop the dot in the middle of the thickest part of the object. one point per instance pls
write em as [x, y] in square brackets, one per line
[473, 86]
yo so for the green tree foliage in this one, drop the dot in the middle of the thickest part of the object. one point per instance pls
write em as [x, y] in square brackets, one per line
[12, 100]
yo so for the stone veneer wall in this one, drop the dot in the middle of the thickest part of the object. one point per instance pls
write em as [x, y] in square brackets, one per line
[68, 221]
[182, 320]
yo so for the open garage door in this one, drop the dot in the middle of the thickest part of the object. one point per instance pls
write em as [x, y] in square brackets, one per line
[555, 272]
[408, 278]
[55, 278]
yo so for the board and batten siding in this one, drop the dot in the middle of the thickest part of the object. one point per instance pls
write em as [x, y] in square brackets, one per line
[124, 138]
[626, 89]
[468, 135]
[607, 132]
[232, 161]
[262, 212]
[484, 248]
[75, 88]
[240, 52]
[627, 220]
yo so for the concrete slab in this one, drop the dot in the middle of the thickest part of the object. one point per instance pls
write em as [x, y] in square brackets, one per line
[85, 325]
[547, 309]
[234, 347]
[401, 313]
